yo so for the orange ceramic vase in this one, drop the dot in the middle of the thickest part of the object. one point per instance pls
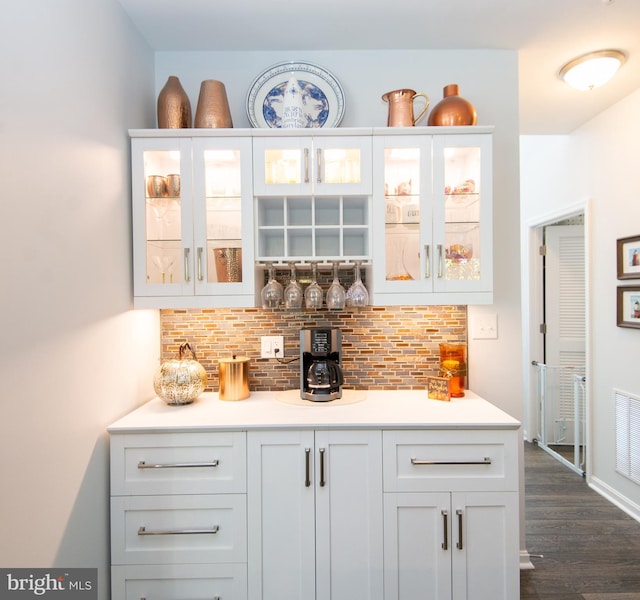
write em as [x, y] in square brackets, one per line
[452, 109]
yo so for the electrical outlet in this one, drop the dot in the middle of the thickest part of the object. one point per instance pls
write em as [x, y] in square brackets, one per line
[485, 327]
[269, 344]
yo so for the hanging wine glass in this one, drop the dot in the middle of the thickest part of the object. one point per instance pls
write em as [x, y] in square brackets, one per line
[272, 293]
[293, 292]
[357, 296]
[336, 294]
[313, 294]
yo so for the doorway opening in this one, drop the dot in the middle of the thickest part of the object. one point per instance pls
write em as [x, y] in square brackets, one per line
[559, 361]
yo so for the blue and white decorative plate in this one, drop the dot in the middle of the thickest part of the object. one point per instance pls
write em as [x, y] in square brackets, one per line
[322, 95]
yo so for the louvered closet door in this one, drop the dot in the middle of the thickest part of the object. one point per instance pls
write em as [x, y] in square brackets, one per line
[565, 317]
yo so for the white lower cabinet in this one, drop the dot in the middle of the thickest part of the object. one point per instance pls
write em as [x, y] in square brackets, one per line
[178, 516]
[315, 515]
[442, 546]
[173, 582]
[451, 515]
[296, 513]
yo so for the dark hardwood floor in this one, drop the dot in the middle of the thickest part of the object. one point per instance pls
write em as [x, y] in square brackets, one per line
[590, 548]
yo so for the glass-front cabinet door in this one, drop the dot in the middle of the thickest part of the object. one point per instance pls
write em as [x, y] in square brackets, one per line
[192, 222]
[462, 192]
[162, 217]
[312, 165]
[403, 221]
[432, 209]
[223, 219]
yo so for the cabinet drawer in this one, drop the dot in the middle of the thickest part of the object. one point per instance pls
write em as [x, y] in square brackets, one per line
[178, 463]
[177, 582]
[179, 529]
[418, 461]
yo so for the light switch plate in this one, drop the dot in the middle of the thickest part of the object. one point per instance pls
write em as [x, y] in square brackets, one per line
[485, 327]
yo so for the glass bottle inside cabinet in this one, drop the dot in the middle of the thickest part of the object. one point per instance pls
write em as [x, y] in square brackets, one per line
[162, 216]
[223, 216]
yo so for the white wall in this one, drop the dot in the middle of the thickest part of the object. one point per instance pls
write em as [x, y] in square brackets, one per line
[597, 162]
[488, 78]
[74, 77]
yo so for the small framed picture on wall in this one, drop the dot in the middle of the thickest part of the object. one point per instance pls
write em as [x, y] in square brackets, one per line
[629, 257]
[628, 313]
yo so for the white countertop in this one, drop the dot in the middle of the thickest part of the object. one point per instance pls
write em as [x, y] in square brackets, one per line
[357, 409]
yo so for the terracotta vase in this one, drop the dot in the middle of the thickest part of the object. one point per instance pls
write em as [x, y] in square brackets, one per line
[174, 109]
[213, 106]
[452, 109]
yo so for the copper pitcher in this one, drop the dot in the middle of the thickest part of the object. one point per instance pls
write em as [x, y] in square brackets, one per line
[401, 107]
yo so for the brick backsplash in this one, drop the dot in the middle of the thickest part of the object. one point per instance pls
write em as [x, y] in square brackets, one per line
[383, 347]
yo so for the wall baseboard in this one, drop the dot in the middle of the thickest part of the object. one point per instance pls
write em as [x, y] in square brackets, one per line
[622, 502]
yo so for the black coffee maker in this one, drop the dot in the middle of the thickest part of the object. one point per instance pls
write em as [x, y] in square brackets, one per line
[321, 376]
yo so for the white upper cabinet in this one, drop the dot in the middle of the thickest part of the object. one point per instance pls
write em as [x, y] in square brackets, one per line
[296, 165]
[212, 208]
[192, 222]
[432, 219]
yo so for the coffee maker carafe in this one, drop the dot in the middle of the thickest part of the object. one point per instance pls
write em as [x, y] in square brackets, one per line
[321, 375]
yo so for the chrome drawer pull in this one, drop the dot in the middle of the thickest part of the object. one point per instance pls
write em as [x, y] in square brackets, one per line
[427, 253]
[445, 518]
[199, 264]
[322, 480]
[143, 531]
[187, 275]
[306, 165]
[307, 467]
[143, 465]
[485, 461]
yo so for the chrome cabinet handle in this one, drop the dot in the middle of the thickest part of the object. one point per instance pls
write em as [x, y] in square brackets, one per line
[143, 531]
[307, 467]
[485, 461]
[199, 264]
[440, 265]
[187, 275]
[322, 481]
[319, 164]
[459, 544]
[445, 519]
[306, 165]
[143, 465]
[427, 269]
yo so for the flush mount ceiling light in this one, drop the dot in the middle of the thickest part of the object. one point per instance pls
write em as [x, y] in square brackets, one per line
[593, 69]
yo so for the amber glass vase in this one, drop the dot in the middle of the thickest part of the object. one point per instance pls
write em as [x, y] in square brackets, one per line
[453, 364]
